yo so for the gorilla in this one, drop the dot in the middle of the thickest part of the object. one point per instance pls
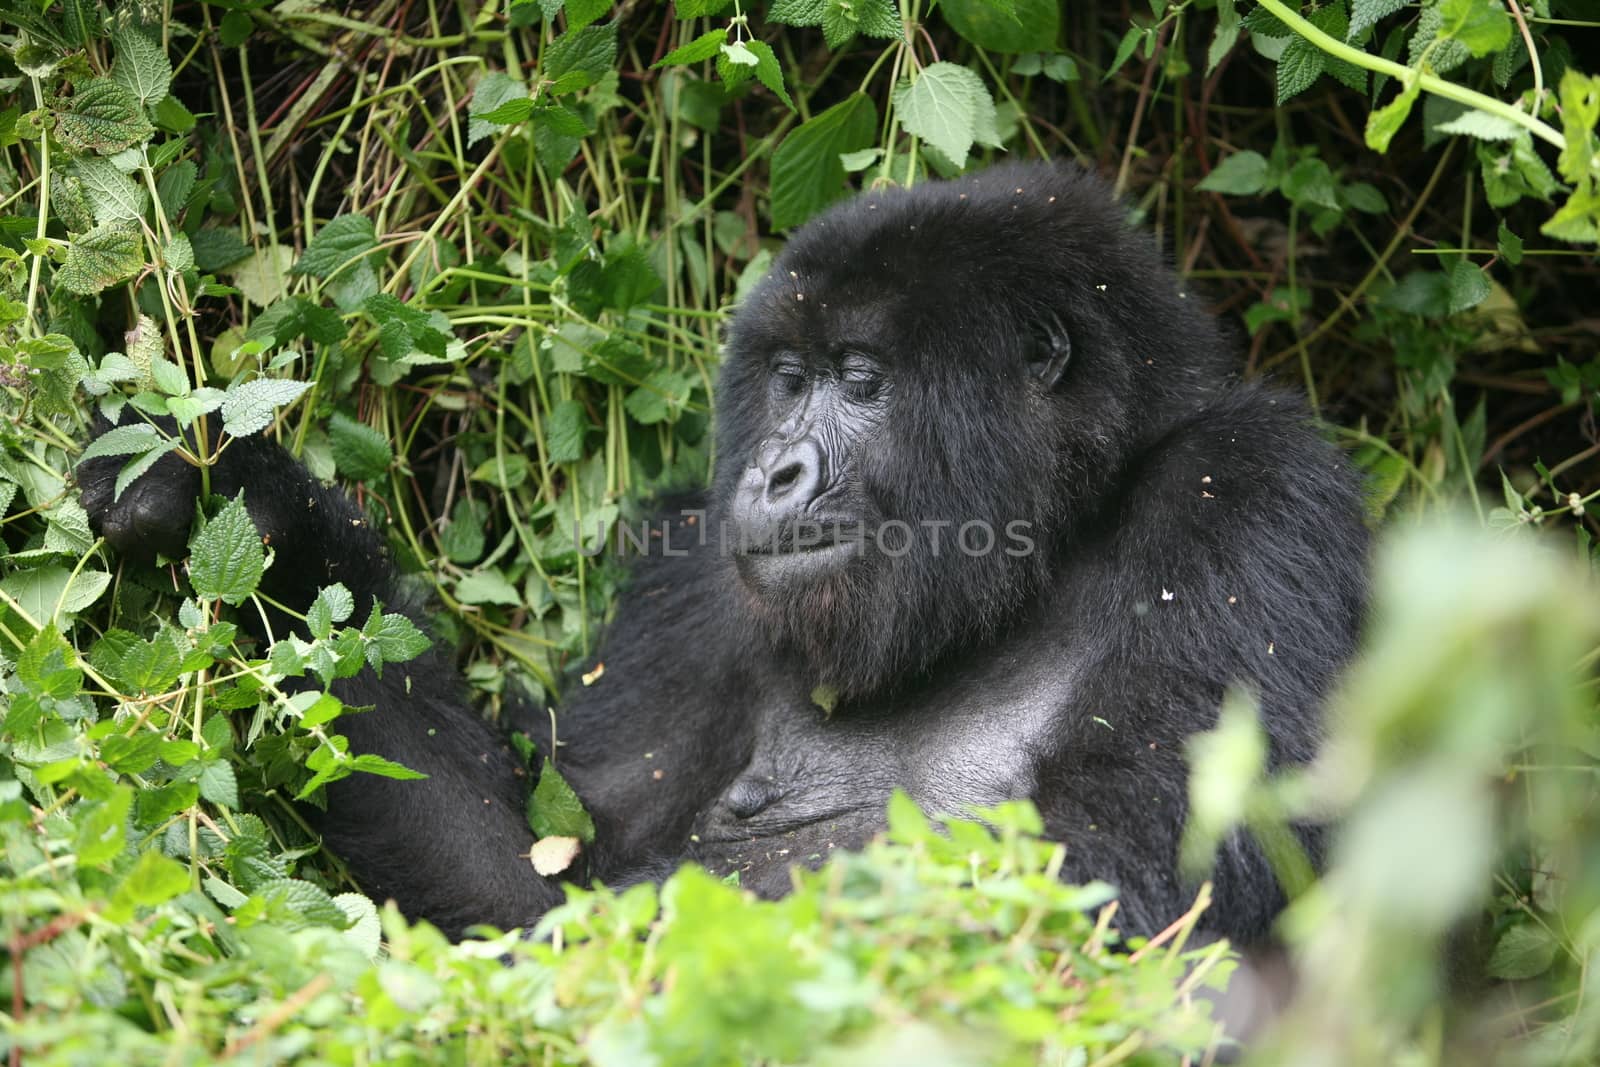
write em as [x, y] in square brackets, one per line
[993, 518]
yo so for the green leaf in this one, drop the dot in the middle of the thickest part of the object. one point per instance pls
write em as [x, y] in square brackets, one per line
[591, 51]
[554, 810]
[360, 452]
[50, 593]
[698, 50]
[581, 13]
[112, 195]
[1241, 174]
[1026, 26]
[104, 256]
[768, 72]
[1386, 121]
[384, 768]
[487, 587]
[1298, 68]
[1130, 40]
[103, 117]
[155, 879]
[137, 438]
[102, 832]
[807, 174]
[493, 90]
[1469, 286]
[1509, 245]
[1310, 184]
[1482, 125]
[565, 430]
[1526, 950]
[943, 107]
[226, 557]
[880, 18]
[235, 28]
[1481, 25]
[216, 248]
[1366, 13]
[338, 242]
[141, 67]
[797, 12]
[1226, 35]
[218, 784]
[392, 638]
[248, 407]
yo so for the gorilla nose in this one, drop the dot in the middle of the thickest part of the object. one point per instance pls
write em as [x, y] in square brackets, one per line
[794, 474]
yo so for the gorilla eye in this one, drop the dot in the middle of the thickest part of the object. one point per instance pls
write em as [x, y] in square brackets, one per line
[788, 376]
[860, 376]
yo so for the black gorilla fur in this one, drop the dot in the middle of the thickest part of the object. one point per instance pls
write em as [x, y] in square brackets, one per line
[1000, 349]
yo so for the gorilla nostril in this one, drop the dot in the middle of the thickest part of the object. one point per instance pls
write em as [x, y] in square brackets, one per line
[785, 478]
[749, 797]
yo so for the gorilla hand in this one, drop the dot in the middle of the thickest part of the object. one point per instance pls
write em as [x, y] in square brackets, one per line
[152, 516]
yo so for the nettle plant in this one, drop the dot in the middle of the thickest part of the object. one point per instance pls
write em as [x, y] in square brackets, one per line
[130, 751]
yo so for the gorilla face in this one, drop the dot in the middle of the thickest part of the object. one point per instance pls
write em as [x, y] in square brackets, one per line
[903, 429]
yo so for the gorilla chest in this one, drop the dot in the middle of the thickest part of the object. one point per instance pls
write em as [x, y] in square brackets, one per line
[818, 781]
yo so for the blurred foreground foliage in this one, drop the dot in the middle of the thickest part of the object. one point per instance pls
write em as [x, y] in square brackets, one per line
[473, 260]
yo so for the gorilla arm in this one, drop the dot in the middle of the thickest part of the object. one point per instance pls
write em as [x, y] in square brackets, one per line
[1233, 556]
[451, 848]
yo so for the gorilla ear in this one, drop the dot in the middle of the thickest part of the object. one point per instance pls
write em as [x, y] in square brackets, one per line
[1052, 351]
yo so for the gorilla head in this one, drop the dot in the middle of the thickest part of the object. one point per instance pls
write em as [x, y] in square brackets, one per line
[921, 398]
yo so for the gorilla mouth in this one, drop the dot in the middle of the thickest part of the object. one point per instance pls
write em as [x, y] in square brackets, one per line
[800, 554]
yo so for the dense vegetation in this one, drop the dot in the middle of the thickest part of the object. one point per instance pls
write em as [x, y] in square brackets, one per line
[473, 260]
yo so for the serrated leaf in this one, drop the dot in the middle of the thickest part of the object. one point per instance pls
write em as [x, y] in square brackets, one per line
[942, 108]
[226, 558]
[103, 117]
[768, 72]
[218, 784]
[566, 427]
[591, 51]
[102, 257]
[493, 90]
[554, 810]
[340, 240]
[797, 12]
[1366, 13]
[368, 763]
[178, 254]
[807, 174]
[248, 407]
[360, 452]
[1298, 68]
[1524, 951]
[123, 441]
[1482, 125]
[141, 67]
[698, 50]
[111, 194]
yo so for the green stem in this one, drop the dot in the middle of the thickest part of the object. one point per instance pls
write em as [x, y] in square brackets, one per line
[1429, 82]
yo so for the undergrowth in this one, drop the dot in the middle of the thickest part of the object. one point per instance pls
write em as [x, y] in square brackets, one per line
[473, 261]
